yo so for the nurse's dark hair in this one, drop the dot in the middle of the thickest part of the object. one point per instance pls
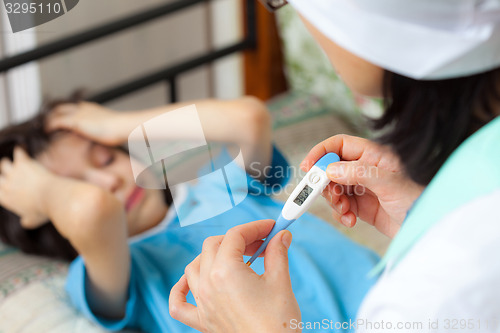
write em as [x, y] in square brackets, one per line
[45, 240]
[425, 121]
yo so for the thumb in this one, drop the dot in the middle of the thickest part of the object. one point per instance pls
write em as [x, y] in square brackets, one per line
[276, 256]
[353, 173]
[359, 173]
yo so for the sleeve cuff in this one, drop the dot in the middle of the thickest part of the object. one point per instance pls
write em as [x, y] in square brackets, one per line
[76, 288]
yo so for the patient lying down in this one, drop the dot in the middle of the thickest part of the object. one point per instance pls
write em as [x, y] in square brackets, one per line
[67, 191]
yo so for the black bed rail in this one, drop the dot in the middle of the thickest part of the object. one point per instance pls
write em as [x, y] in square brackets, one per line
[168, 74]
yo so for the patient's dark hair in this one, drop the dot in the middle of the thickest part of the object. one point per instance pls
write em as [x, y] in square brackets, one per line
[425, 121]
[45, 240]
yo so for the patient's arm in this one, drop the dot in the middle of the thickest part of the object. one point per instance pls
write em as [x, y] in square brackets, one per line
[94, 221]
[245, 122]
[91, 218]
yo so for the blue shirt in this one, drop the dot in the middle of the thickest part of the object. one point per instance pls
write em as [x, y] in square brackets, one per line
[328, 271]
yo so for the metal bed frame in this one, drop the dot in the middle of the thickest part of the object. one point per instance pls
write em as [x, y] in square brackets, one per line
[168, 74]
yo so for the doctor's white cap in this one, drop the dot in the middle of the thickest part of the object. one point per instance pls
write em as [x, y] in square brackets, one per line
[421, 39]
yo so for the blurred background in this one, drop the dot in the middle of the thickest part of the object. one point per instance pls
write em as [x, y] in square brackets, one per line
[124, 55]
[154, 44]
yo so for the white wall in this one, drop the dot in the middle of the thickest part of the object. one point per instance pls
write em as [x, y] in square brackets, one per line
[143, 49]
[20, 87]
[227, 28]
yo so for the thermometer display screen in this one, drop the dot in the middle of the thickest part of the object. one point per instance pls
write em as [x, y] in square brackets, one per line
[303, 195]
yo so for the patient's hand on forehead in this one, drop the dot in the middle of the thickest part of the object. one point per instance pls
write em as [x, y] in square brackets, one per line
[91, 120]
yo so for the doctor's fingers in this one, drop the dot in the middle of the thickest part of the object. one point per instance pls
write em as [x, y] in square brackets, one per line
[342, 210]
[347, 219]
[349, 148]
[192, 273]
[209, 252]
[211, 246]
[362, 175]
[180, 309]
[335, 200]
[344, 202]
[333, 193]
[238, 239]
[342, 206]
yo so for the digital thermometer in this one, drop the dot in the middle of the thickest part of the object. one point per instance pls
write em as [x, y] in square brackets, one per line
[309, 188]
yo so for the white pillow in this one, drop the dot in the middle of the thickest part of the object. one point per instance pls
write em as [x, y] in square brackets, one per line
[32, 296]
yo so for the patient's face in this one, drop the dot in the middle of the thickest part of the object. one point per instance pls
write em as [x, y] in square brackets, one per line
[70, 155]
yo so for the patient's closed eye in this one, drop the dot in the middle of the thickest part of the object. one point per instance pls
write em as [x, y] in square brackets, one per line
[101, 156]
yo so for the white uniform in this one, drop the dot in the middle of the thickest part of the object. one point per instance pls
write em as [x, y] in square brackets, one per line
[448, 282]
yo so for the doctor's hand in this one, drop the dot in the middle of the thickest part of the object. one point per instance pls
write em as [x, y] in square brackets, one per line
[229, 295]
[368, 183]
